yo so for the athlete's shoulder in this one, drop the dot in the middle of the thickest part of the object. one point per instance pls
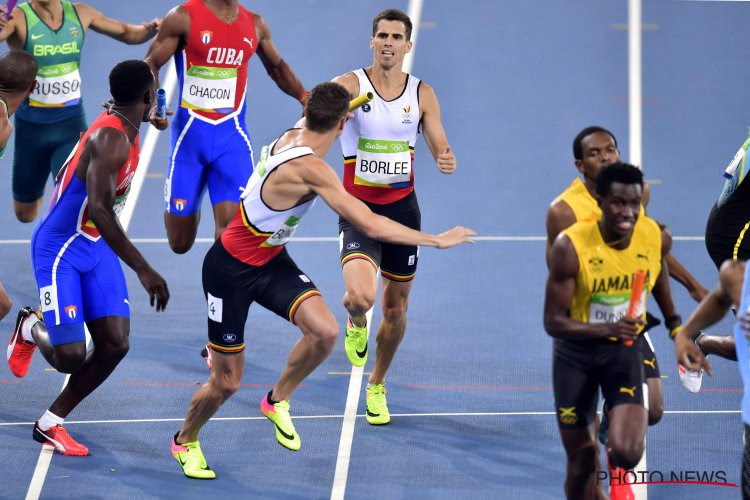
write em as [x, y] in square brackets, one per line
[560, 216]
[349, 81]
[650, 224]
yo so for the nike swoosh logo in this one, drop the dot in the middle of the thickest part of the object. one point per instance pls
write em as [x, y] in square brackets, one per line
[288, 436]
[363, 353]
[37, 37]
[373, 414]
[179, 459]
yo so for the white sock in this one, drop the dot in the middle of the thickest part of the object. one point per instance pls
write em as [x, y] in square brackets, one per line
[48, 420]
[26, 327]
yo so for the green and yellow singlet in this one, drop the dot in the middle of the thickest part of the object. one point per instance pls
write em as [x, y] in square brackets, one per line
[57, 95]
[605, 274]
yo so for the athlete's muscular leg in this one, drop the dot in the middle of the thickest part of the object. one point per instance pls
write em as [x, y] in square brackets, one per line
[5, 302]
[224, 381]
[319, 334]
[627, 433]
[361, 282]
[655, 400]
[27, 212]
[223, 213]
[392, 326]
[110, 336]
[582, 453]
[181, 230]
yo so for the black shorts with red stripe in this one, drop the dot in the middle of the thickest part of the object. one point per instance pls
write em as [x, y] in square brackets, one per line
[230, 286]
[396, 262]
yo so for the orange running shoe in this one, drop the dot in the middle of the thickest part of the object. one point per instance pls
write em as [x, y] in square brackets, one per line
[20, 350]
[59, 438]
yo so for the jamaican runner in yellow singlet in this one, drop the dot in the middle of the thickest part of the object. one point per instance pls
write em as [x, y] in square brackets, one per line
[586, 302]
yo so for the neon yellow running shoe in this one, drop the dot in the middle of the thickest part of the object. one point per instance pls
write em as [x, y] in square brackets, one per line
[191, 458]
[355, 343]
[377, 407]
[278, 414]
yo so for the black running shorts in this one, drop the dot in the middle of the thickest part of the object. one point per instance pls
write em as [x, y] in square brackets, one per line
[579, 369]
[396, 262]
[230, 286]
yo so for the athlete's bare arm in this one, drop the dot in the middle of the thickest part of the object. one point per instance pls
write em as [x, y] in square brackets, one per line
[5, 130]
[131, 34]
[350, 82]
[558, 296]
[434, 133]
[322, 180]
[559, 218]
[662, 290]
[172, 37]
[14, 29]
[104, 153]
[277, 68]
[711, 310]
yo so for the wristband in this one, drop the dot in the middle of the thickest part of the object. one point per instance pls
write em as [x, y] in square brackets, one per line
[304, 97]
[673, 322]
[674, 331]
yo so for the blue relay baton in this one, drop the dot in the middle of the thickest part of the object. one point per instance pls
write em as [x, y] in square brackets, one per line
[161, 103]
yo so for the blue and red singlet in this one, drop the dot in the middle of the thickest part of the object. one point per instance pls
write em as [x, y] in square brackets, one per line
[78, 275]
[210, 143]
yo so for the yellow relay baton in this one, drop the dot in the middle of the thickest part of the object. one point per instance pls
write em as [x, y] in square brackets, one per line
[361, 100]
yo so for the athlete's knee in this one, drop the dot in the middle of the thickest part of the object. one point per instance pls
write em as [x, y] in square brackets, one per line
[180, 244]
[358, 301]
[5, 304]
[655, 412]
[25, 213]
[69, 358]
[626, 453]
[225, 383]
[394, 313]
[115, 347]
[581, 464]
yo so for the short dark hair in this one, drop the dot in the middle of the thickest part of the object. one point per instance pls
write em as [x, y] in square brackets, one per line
[328, 103]
[577, 149]
[130, 80]
[624, 173]
[392, 15]
[17, 71]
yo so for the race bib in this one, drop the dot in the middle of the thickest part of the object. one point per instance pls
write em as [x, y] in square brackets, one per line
[610, 308]
[385, 164]
[57, 86]
[284, 233]
[209, 89]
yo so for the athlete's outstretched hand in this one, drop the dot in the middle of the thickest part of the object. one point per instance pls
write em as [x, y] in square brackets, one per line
[3, 21]
[626, 328]
[455, 236]
[160, 122]
[156, 287]
[152, 26]
[446, 161]
[689, 355]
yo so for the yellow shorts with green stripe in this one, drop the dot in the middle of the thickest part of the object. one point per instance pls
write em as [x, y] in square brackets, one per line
[231, 286]
[396, 262]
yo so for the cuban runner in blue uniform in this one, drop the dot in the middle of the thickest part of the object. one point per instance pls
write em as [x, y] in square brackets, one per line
[75, 253]
[212, 43]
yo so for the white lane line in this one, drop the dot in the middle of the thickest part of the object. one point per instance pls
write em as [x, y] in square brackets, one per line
[321, 417]
[635, 92]
[325, 239]
[147, 151]
[635, 140]
[355, 381]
